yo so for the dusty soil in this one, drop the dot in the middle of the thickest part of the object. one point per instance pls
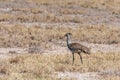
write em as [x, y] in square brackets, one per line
[78, 76]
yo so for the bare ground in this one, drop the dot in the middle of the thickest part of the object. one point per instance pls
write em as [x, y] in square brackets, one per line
[57, 49]
[78, 76]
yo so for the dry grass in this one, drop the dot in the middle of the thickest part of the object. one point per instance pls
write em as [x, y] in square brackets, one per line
[44, 14]
[101, 4]
[5, 17]
[20, 36]
[37, 66]
[46, 17]
[42, 67]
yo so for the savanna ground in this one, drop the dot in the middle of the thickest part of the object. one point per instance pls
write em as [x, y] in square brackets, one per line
[32, 46]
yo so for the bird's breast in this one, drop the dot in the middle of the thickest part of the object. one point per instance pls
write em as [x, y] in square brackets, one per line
[74, 50]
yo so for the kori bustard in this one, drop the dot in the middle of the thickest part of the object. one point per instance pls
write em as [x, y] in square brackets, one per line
[76, 47]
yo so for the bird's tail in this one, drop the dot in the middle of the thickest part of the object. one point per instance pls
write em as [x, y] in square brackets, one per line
[87, 51]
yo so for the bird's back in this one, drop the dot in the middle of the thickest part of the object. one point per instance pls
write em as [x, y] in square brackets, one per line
[78, 47]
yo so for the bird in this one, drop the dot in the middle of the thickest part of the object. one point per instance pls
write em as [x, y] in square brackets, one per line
[76, 47]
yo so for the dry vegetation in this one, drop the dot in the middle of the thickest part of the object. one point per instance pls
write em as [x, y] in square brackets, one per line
[97, 22]
[19, 36]
[57, 11]
[101, 4]
[40, 67]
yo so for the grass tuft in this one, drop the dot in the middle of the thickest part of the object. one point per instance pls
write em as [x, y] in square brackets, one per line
[40, 66]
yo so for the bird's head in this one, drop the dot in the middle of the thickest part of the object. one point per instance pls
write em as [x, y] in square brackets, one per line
[67, 34]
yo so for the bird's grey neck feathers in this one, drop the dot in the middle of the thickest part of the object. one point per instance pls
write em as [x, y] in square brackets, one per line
[68, 39]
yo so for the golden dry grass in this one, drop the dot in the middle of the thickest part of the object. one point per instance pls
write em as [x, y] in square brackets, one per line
[42, 67]
[4, 17]
[109, 5]
[37, 66]
[36, 17]
[101, 4]
[21, 36]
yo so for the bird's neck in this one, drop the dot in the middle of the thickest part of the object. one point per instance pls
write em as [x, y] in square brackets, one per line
[68, 40]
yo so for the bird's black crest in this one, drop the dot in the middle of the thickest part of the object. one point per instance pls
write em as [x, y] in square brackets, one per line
[68, 34]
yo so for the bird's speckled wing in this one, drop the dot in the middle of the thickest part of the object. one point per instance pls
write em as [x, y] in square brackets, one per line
[79, 47]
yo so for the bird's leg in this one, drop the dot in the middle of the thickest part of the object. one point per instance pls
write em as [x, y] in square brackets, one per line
[80, 57]
[73, 58]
